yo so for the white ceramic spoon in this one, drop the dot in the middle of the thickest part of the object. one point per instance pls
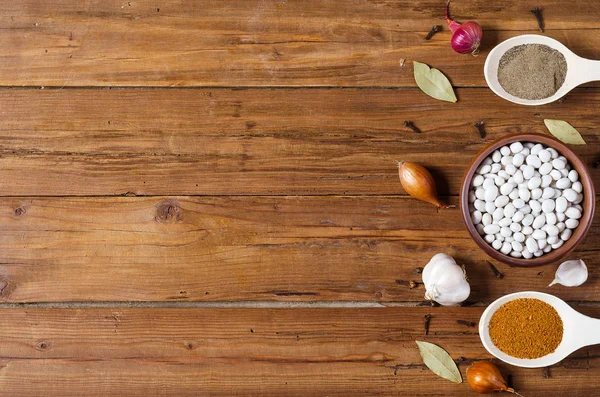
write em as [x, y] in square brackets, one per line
[579, 330]
[579, 70]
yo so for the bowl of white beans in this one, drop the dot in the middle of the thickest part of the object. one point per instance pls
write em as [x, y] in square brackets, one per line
[527, 200]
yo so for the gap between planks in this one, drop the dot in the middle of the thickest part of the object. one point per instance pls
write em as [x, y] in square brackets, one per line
[240, 305]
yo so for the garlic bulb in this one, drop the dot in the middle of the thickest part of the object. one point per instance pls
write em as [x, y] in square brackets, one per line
[571, 274]
[445, 282]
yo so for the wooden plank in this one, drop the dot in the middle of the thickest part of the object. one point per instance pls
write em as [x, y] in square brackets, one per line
[260, 43]
[242, 352]
[255, 141]
[246, 248]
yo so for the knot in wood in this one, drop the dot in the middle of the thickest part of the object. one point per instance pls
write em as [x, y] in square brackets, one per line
[20, 211]
[168, 212]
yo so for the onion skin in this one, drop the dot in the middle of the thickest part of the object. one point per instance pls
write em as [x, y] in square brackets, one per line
[419, 183]
[484, 377]
[466, 37]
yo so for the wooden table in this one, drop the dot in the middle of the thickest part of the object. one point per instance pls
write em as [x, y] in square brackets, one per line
[201, 198]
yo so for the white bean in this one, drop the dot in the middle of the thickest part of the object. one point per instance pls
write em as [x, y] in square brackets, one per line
[501, 201]
[505, 150]
[558, 245]
[489, 238]
[536, 148]
[497, 214]
[488, 183]
[534, 182]
[497, 244]
[527, 230]
[506, 232]
[526, 254]
[577, 186]
[555, 174]
[560, 216]
[516, 147]
[479, 205]
[538, 234]
[490, 207]
[548, 192]
[514, 194]
[535, 205]
[528, 171]
[573, 213]
[552, 230]
[536, 193]
[553, 152]
[491, 229]
[518, 160]
[476, 217]
[546, 180]
[491, 193]
[518, 216]
[518, 203]
[561, 204]
[506, 189]
[503, 174]
[548, 205]
[542, 243]
[511, 169]
[509, 210]
[547, 249]
[472, 197]
[506, 247]
[545, 169]
[570, 195]
[571, 223]
[480, 193]
[531, 244]
[518, 177]
[486, 219]
[563, 183]
[499, 181]
[561, 226]
[559, 164]
[552, 240]
[573, 176]
[524, 194]
[527, 220]
[566, 234]
[515, 227]
[496, 156]
[504, 222]
[519, 236]
[539, 221]
[517, 246]
[533, 161]
[506, 160]
[544, 155]
[550, 218]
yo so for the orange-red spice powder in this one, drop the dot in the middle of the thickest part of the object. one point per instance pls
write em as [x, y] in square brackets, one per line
[526, 328]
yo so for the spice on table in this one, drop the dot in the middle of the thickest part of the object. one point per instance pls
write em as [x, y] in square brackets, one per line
[480, 129]
[532, 71]
[427, 321]
[538, 15]
[526, 328]
[434, 30]
[466, 323]
[495, 270]
[412, 126]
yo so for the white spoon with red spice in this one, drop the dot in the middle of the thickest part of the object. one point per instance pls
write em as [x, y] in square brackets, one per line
[579, 70]
[579, 330]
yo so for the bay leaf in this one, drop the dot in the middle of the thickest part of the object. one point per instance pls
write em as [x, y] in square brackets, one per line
[564, 131]
[439, 361]
[433, 82]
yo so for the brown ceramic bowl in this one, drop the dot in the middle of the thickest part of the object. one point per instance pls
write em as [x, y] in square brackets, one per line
[589, 202]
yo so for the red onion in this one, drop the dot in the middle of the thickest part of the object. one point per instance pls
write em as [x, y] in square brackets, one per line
[466, 37]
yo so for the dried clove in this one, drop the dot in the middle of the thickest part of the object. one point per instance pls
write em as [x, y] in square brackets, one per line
[466, 323]
[538, 15]
[480, 129]
[433, 31]
[411, 125]
[495, 270]
[547, 373]
[427, 320]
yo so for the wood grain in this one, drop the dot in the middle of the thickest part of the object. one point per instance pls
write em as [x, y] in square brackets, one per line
[300, 352]
[246, 248]
[255, 141]
[261, 43]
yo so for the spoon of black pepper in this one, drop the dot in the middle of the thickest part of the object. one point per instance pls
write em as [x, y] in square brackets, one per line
[578, 330]
[579, 70]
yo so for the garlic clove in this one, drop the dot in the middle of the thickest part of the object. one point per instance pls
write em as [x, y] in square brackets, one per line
[571, 273]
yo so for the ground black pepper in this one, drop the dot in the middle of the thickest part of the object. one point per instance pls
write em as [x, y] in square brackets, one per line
[532, 71]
